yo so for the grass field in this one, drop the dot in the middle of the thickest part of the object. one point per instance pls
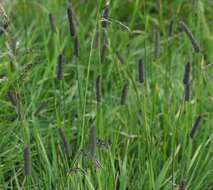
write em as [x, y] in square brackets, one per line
[106, 95]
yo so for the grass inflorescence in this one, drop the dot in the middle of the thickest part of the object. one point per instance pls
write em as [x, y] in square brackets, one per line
[27, 161]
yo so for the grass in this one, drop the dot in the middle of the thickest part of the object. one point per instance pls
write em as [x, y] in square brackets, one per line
[141, 122]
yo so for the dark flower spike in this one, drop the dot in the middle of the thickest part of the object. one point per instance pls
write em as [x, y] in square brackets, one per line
[98, 89]
[76, 47]
[195, 126]
[170, 28]
[92, 141]
[124, 94]
[65, 142]
[188, 32]
[187, 92]
[27, 162]
[186, 77]
[141, 70]
[71, 22]
[73, 32]
[60, 70]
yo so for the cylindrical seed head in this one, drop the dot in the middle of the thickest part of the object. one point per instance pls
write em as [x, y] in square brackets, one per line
[141, 70]
[66, 144]
[92, 141]
[186, 77]
[71, 22]
[60, 71]
[188, 32]
[195, 126]
[27, 161]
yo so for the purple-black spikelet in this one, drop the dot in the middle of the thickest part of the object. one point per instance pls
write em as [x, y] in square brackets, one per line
[141, 70]
[186, 77]
[170, 28]
[66, 144]
[71, 22]
[188, 32]
[27, 161]
[195, 126]
[187, 92]
[92, 141]
[60, 70]
[73, 33]
[76, 47]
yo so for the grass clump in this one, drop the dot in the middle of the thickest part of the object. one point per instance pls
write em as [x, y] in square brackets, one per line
[88, 113]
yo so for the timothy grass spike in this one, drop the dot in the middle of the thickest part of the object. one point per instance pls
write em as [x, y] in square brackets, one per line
[141, 70]
[71, 22]
[27, 161]
[73, 32]
[186, 77]
[60, 70]
[65, 142]
[76, 47]
[92, 141]
[188, 32]
[195, 126]
[170, 28]
[187, 92]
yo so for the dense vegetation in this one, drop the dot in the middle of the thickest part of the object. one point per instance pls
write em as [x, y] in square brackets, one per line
[106, 95]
